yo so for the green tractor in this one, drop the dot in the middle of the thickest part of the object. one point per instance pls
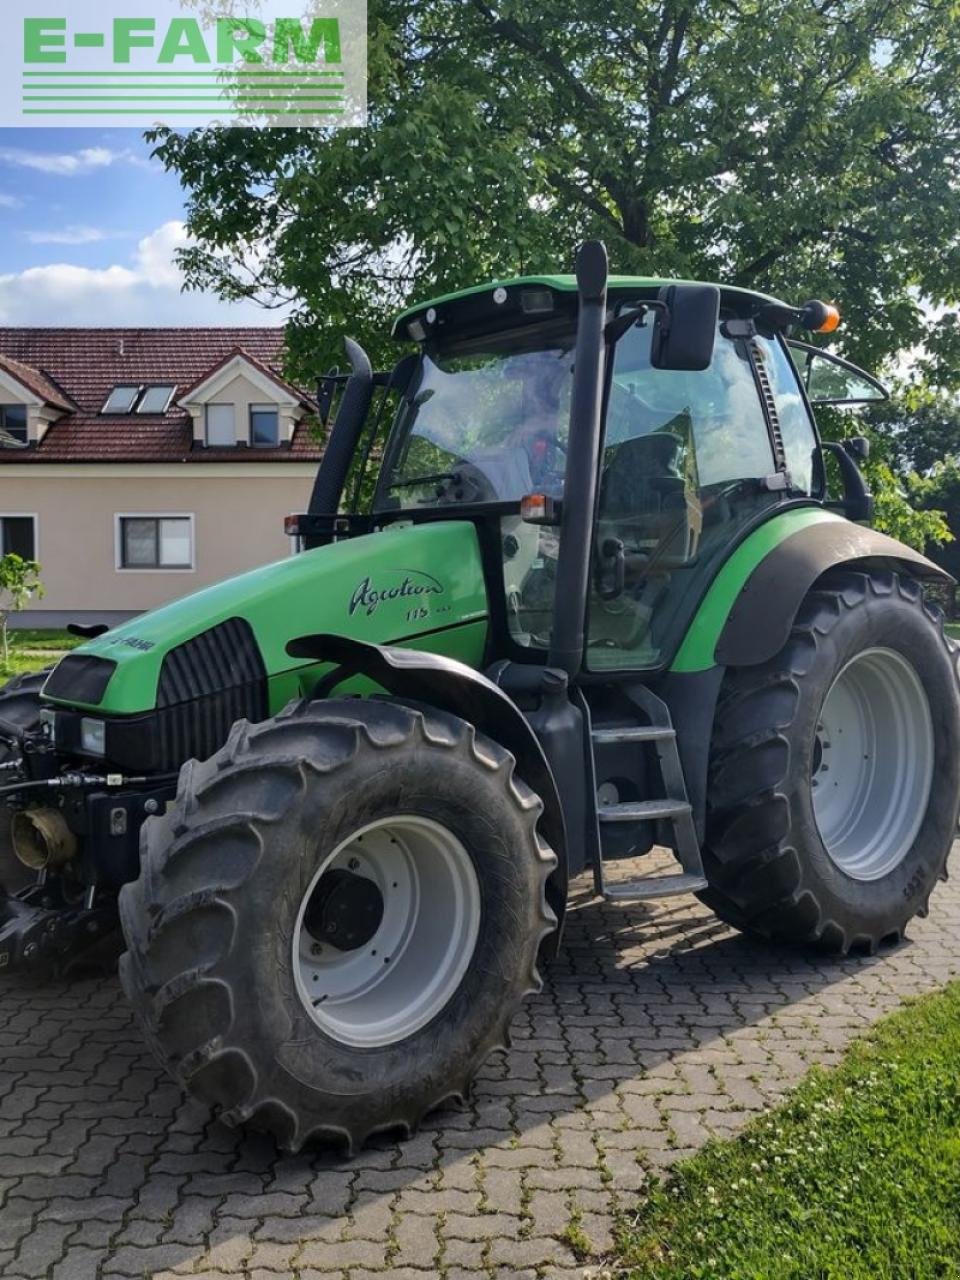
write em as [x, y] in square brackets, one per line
[598, 600]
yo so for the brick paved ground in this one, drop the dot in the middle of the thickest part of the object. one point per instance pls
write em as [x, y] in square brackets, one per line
[657, 1027]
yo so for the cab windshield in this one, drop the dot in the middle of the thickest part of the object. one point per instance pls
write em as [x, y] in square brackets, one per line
[487, 423]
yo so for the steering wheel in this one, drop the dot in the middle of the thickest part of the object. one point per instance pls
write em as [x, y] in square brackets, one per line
[465, 483]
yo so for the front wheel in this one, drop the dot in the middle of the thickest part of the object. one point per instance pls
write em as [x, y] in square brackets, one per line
[337, 920]
[834, 783]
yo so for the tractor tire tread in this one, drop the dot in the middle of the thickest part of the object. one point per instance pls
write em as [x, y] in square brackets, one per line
[198, 857]
[754, 872]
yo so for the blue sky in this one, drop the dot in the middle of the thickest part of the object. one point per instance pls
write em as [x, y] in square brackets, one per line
[89, 225]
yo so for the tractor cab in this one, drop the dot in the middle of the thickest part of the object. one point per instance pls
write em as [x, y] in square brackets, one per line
[706, 428]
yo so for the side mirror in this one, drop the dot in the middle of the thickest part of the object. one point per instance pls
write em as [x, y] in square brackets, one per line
[685, 333]
[858, 447]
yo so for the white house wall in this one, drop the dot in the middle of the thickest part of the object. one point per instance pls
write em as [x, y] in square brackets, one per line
[237, 510]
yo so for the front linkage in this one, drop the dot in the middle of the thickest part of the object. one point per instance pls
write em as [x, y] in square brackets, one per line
[72, 903]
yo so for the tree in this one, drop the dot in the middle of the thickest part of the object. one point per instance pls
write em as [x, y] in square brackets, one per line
[806, 147]
[918, 427]
[19, 581]
[899, 510]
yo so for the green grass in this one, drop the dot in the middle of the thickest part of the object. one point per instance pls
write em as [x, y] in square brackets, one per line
[952, 629]
[31, 650]
[856, 1177]
[33, 639]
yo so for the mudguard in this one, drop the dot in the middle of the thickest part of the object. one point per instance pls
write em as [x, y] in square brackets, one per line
[758, 624]
[448, 685]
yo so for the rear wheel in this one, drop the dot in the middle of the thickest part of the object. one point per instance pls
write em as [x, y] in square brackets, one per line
[835, 770]
[337, 920]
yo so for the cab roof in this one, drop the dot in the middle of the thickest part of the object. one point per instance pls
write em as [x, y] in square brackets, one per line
[448, 306]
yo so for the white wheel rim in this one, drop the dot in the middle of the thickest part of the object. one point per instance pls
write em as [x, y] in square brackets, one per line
[873, 764]
[398, 981]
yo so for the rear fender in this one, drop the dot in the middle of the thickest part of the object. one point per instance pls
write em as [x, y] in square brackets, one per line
[448, 685]
[758, 625]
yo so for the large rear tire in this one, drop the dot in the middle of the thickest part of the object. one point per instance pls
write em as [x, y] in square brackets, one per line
[338, 918]
[834, 782]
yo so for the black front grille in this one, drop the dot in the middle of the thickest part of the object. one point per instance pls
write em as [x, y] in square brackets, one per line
[205, 685]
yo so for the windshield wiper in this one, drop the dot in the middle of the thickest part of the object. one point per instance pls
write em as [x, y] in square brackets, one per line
[431, 477]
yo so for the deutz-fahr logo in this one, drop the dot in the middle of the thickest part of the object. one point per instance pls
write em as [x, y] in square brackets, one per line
[413, 585]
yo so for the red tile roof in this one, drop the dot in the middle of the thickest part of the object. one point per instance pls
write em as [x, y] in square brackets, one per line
[84, 365]
[36, 380]
[184, 393]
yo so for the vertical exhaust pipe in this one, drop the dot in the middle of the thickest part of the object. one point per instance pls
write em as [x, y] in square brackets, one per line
[568, 633]
[344, 438]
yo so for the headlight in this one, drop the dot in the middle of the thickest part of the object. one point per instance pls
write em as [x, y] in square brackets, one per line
[93, 736]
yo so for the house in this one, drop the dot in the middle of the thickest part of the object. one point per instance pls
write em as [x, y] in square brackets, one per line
[138, 465]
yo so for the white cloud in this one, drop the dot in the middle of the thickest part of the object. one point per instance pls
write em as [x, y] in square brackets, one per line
[144, 292]
[67, 164]
[8, 202]
[67, 235]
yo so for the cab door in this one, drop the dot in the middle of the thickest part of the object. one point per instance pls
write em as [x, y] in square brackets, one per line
[688, 466]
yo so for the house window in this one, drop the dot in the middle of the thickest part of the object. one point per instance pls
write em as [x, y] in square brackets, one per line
[156, 399]
[264, 425]
[155, 542]
[221, 429]
[121, 399]
[18, 536]
[13, 420]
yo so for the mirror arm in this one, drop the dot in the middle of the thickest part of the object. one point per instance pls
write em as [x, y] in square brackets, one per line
[857, 504]
[624, 322]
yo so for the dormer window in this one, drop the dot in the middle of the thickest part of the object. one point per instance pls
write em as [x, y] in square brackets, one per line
[220, 425]
[13, 420]
[264, 426]
[121, 399]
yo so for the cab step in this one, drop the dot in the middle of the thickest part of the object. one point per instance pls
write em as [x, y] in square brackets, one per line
[654, 887]
[643, 810]
[633, 733]
[672, 807]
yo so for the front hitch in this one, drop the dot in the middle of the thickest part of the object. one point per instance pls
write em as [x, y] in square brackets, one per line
[37, 928]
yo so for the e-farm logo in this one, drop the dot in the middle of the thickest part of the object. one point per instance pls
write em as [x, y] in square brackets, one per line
[183, 62]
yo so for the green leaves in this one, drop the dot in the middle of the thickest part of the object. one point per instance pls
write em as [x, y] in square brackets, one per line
[19, 581]
[802, 149]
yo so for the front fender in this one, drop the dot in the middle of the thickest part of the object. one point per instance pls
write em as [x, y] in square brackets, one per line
[448, 685]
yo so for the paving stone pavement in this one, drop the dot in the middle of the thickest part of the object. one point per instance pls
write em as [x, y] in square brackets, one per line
[657, 1028]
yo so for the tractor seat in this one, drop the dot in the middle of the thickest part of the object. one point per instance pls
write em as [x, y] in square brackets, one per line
[642, 477]
[645, 504]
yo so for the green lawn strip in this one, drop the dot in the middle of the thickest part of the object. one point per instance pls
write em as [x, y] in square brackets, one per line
[22, 663]
[44, 639]
[32, 650]
[855, 1177]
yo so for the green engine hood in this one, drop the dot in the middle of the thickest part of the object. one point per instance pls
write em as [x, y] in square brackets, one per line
[416, 585]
